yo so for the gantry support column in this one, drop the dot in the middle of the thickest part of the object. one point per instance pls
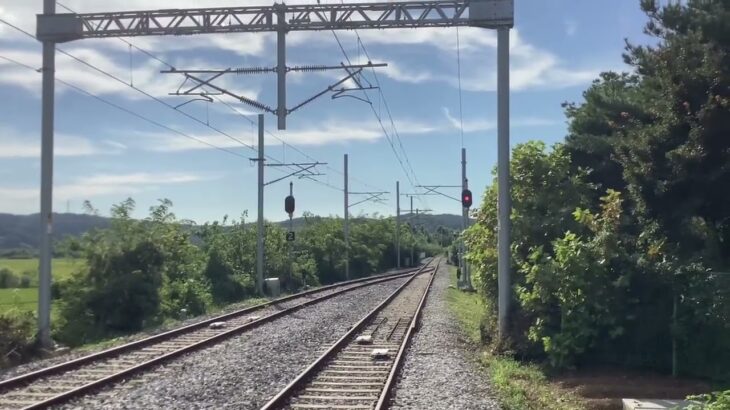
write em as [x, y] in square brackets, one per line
[281, 65]
[46, 244]
[504, 201]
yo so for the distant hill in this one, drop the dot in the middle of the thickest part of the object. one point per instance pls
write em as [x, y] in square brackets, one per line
[21, 232]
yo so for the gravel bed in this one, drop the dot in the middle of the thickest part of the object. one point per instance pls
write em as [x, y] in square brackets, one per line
[243, 372]
[440, 369]
[85, 351]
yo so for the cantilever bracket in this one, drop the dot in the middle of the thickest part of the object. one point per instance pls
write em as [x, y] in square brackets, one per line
[304, 171]
[371, 196]
[352, 70]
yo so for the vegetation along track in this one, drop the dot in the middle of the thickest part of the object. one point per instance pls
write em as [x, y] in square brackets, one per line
[59, 383]
[349, 375]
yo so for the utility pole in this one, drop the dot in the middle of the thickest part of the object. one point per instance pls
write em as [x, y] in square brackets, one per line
[281, 110]
[347, 225]
[397, 224]
[465, 273]
[48, 97]
[260, 231]
[370, 196]
[413, 242]
[304, 171]
[504, 201]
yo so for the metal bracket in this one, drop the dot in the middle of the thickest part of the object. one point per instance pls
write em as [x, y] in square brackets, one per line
[304, 171]
[353, 70]
[432, 190]
[371, 196]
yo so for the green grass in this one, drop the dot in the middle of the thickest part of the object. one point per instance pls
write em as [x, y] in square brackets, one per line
[27, 298]
[21, 299]
[62, 267]
[519, 386]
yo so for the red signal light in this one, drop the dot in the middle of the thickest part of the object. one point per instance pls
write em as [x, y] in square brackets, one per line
[466, 199]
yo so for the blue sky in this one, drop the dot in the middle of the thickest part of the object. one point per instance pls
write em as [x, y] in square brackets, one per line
[106, 155]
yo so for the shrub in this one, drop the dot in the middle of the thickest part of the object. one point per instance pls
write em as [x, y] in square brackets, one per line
[714, 401]
[8, 279]
[25, 281]
[17, 331]
[192, 295]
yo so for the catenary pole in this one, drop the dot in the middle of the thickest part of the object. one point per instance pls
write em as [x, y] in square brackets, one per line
[413, 242]
[464, 212]
[281, 111]
[504, 202]
[347, 224]
[466, 273]
[46, 215]
[397, 224]
[260, 231]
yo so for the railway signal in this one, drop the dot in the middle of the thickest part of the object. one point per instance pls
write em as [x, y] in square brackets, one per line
[289, 205]
[466, 198]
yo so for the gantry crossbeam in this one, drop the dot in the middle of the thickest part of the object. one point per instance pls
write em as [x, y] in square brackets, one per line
[399, 14]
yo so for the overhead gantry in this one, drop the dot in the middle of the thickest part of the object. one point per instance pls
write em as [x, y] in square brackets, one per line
[55, 28]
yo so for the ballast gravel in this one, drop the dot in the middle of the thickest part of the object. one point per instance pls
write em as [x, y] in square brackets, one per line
[62, 357]
[246, 371]
[441, 369]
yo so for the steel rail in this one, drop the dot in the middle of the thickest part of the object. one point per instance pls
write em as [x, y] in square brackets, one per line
[399, 359]
[287, 392]
[27, 378]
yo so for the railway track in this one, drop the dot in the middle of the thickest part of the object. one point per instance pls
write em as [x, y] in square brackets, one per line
[60, 383]
[358, 371]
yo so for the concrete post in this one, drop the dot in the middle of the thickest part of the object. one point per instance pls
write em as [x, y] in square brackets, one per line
[397, 224]
[281, 66]
[347, 224]
[46, 216]
[413, 244]
[504, 202]
[260, 231]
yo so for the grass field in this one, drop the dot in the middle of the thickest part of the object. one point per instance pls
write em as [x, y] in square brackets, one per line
[62, 267]
[22, 299]
[27, 299]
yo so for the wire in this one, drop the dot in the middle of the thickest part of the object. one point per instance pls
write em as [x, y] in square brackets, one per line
[458, 69]
[378, 117]
[147, 53]
[158, 100]
[231, 107]
[121, 81]
[126, 110]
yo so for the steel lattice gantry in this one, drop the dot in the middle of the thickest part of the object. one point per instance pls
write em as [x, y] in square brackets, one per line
[55, 28]
[403, 14]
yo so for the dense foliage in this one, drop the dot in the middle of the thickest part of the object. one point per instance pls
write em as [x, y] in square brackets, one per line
[142, 272]
[17, 337]
[621, 235]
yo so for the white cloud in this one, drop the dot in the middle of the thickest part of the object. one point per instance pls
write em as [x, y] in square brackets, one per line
[530, 68]
[469, 125]
[410, 75]
[475, 125]
[25, 200]
[330, 131]
[22, 145]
